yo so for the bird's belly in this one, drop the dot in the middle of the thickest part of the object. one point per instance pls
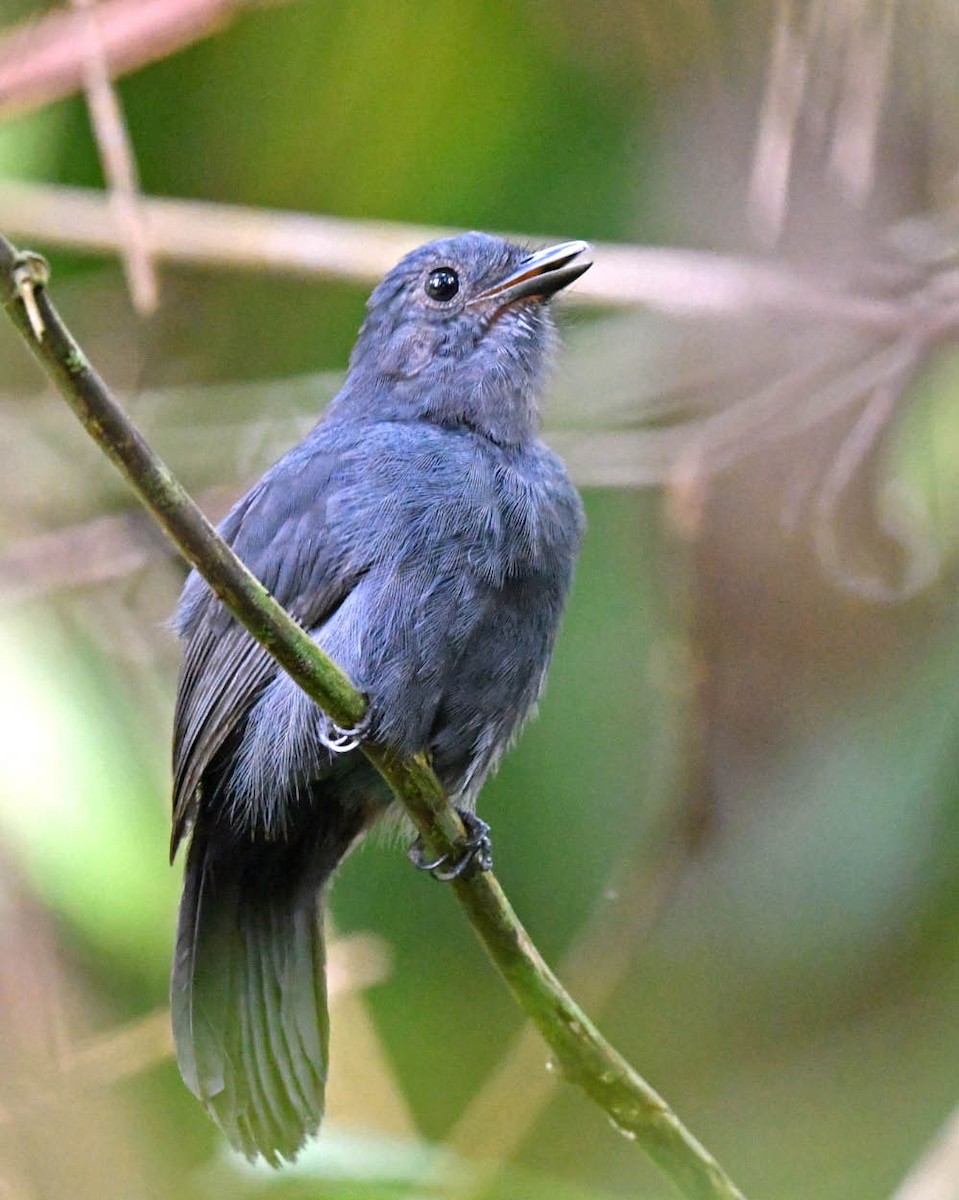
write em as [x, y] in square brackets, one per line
[490, 689]
[451, 663]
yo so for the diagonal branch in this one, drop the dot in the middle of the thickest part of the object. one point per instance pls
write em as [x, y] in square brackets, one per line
[936, 1175]
[582, 1053]
[44, 61]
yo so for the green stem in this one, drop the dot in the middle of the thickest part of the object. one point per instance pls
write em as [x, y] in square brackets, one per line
[581, 1052]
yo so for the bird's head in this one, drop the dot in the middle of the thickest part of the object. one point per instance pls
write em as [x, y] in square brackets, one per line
[459, 332]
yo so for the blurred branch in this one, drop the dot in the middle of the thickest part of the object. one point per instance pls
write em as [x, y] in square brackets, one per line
[745, 387]
[89, 552]
[116, 156]
[356, 962]
[78, 555]
[583, 1054]
[828, 74]
[776, 126]
[936, 1175]
[46, 59]
[199, 233]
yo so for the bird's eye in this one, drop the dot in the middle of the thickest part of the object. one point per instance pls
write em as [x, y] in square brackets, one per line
[442, 284]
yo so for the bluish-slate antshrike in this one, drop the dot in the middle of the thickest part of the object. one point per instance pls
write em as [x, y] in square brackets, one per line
[425, 537]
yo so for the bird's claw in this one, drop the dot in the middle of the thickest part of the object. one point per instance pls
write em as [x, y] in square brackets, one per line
[31, 272]
[477, 854]
[341, 741]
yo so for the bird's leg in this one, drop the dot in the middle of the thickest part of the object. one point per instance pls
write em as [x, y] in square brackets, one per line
[477, 856]
[338, 740]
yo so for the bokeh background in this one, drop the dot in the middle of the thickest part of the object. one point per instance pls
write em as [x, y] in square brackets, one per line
[735, 826]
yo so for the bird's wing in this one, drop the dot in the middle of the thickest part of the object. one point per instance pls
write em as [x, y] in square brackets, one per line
[280, 530]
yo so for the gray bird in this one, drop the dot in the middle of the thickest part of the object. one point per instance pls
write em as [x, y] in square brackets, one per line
[425, 537]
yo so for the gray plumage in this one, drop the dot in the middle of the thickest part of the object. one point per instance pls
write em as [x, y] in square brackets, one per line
[426, 539]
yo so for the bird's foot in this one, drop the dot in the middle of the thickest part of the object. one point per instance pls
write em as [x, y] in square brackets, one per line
[341, 741]
[477, 855]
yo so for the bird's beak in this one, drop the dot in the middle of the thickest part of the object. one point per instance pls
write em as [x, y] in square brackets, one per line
[541, 275]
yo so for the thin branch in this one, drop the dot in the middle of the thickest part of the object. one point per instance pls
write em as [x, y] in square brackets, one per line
[788, 73]
[863, 84]
[936, 1175]
[117, 160]
[45, 60]
[356, 962]
[683, 283]
[584, 1056]
[91, 552]
[511, 1100]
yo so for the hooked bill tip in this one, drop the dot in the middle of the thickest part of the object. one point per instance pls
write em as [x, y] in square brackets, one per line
[542, 273]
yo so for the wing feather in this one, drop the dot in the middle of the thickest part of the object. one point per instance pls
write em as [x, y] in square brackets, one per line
[281, 531]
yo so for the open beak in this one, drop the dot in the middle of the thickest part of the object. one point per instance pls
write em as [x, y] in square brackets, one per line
[541, 275]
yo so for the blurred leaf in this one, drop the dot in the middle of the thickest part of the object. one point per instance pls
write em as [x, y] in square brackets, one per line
[78, 804]
[927, 451]
[348, 1165]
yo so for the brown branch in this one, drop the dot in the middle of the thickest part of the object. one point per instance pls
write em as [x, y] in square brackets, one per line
[90, 552]
[45, 60]
[356, 962]
[117, 159]
[683, 283]
[936, 1175]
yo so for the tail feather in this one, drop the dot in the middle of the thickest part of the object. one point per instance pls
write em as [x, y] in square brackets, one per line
[273, 1128]
[283, 1104]
[305, 1039]
[199, 998]
[248, 1001]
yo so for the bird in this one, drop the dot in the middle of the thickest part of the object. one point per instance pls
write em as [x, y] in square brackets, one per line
[425, 537]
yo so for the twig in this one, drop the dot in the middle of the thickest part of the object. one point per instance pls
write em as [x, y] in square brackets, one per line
[936, 1175]
[504, 1111]
[827, 77]
[44, 61]
[788, 72]
[356, 962]
[117, 159]
[90, 552]
[863, 82]
[675, 282]
[580, 1050]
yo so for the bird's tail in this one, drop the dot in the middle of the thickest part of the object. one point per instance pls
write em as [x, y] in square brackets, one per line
[248, 994]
